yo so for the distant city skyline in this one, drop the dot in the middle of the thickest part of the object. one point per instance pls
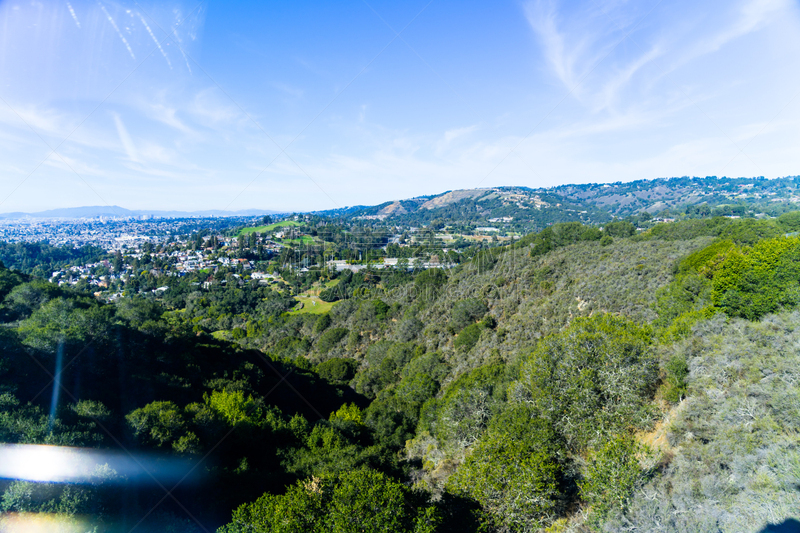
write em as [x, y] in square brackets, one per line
[314, 106]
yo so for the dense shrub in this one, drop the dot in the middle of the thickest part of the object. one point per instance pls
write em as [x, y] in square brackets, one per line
[731, 462]
[322, 323]
[409, 328]
[619, 228]
[468, 337]
[513, 473]
[330, 338]
[789, 221]
[593, 379]
[363, 500]
[759, 280]
[337, 369]
[612, 475]
[466, 312]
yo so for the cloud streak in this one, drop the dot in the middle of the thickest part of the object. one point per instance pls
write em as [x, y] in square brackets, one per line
[125, 139]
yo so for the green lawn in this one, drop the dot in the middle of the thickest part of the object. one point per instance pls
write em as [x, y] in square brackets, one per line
[313, 305]
[262, 229]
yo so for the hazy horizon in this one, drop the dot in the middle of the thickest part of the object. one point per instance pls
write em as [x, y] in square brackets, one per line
[308, 107]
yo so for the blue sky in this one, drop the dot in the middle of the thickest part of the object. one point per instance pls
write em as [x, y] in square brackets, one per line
[318, 105]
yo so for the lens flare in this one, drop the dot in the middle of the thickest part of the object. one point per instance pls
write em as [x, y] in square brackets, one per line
[62, 464]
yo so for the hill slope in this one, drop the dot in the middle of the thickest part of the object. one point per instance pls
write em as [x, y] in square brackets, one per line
[533, 209]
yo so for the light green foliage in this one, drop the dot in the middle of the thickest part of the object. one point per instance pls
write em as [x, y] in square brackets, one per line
[331, 449]
[300, 509]
[688, 292]
[593, 379]
[612, 475]
[348, 413]
[513, 473]
[759, 280]
[352, 502]
[27, 297]
[269, 227]
[789, 221]
[91, 409]
[701, 259]
[234, 407]
[749, 231]
[28, 424]
[64, 320]
[367, 501]
[682, 325]
[158, 423]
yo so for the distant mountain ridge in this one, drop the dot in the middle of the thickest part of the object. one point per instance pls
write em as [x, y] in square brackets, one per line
[593, 203]
[524, 207]
[121, 212]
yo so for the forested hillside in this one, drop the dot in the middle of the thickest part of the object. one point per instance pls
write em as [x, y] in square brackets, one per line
[521, 208]
[580, 379]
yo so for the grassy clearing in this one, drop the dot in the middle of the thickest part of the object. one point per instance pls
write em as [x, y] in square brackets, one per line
[312, 305]
[271, 227]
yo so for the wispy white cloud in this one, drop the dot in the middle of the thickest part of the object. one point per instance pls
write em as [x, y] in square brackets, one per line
[603, 56]
[455, 133]
[125, 139]
[211, 107]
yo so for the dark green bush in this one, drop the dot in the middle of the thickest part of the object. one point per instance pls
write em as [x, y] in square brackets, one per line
[789, 222]
[337, 369]
[330, 338]
[322, 323]
[676, 370]
[619, 228]
[513, 473]
[468, 337]
[466, 312]
[362, 500]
